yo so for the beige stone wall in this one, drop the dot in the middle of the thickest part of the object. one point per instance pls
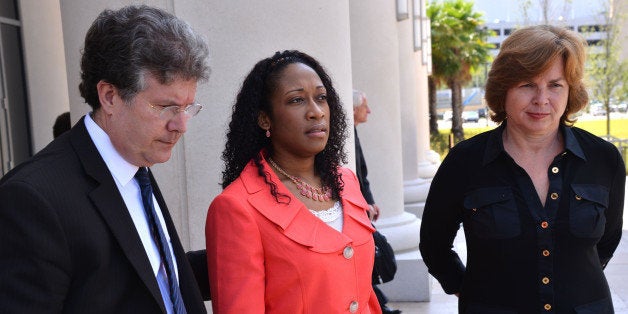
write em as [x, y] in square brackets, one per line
[44, 65]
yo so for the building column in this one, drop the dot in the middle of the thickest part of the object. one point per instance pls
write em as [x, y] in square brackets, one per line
[377, 70]
[419, 161]
[44, 65]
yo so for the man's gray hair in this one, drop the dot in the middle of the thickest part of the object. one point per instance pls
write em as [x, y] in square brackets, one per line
[123, 46]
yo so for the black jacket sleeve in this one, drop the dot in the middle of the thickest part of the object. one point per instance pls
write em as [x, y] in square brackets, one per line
[361, 171]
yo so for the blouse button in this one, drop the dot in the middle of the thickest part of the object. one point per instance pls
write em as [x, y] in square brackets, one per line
[554, 196]
[545, 280]
[544, 224]
[348, 252]
[353, 307]
[578, 197]
[546, 253]
[547, 307]
[554, 170]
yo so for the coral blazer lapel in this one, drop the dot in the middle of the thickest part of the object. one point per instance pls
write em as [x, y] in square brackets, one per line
[296, 221]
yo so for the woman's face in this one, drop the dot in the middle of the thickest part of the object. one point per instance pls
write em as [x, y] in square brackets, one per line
[534, 107]
[299, 122]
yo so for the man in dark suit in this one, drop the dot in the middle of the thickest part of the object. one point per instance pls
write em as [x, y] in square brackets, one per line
[361, 111]
[78, 234]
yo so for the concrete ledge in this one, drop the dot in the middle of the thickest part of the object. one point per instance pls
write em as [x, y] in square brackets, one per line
[412, 283]
[415, 208]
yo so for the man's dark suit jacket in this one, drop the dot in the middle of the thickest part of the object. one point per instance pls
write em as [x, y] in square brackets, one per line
[361, 171]
[68, 243]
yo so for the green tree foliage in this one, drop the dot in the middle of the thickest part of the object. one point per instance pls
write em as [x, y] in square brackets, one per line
[458, 47]
[606, 70]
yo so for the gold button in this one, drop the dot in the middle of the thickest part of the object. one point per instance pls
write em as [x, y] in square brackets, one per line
[546, 253]
[544, 224]
[348, 252]
[547, 307]
[554, 169]
[353, 307]
[578, 197]
[554, 196]
[545, 280]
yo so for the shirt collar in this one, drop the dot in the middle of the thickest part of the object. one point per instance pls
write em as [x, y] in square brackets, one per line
[571, 143]
[123, 171]
[495, 143]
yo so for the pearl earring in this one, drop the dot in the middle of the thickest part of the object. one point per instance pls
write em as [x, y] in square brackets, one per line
[268, 133]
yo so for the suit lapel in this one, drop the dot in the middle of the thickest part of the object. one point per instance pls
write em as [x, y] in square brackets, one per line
[298, 224]
[108, 201]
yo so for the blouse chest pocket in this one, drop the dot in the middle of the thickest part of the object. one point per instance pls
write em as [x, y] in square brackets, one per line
[587, 211]
[492, 213]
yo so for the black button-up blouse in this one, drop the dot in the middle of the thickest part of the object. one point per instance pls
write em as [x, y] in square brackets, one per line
[523, 257]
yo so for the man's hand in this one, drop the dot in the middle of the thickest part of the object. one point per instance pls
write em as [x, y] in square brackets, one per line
[373, 212]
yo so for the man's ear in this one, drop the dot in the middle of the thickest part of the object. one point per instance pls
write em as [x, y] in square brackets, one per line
[263, 121]
[106, 93]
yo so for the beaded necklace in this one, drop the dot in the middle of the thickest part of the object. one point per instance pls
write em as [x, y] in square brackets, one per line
[318, 194]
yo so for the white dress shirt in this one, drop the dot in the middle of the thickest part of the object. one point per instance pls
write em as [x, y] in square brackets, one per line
[124, 175]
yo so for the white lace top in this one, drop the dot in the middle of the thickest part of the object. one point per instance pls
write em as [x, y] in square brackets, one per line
[332, 216]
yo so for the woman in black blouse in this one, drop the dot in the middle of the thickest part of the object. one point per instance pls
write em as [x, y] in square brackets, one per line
[540, 201]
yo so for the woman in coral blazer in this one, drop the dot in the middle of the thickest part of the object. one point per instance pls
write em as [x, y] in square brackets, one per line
[289, 234]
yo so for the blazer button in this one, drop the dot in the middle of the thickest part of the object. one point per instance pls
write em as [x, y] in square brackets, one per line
[348, 252]
[578, 198]
[353, 307]
[554, 196]
[547, 307]
[555, 170]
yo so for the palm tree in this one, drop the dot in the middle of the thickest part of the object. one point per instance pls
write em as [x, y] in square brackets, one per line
[458, 47]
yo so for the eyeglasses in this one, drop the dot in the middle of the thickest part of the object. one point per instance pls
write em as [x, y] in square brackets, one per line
[169, 112]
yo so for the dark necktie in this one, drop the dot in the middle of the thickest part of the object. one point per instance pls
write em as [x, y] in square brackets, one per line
[158, 234]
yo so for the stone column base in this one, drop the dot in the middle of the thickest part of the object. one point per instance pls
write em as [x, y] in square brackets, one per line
[412, 282]
[414, 194]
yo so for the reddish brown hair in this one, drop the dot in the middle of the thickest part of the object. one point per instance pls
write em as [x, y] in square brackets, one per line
[527, 53]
